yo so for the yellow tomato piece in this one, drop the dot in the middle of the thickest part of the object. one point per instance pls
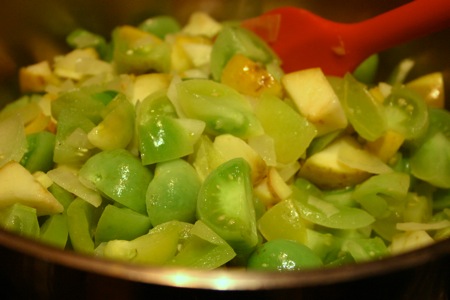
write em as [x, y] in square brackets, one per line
[185, 52]
[249, 77]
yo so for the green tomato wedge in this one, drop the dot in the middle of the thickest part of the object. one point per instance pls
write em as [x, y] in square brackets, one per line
[203, 249]
[137, 51]
[160, 26]
[157, 247]
[162, 136]
[233, 40]
[291, 132]
[82, 218]
[365, 249]
[323, 213]
[120, 176]
[20, 219]
[120, 223]
[173, 192]
[406, 113]
[283, 255]
[367, 70]
[12, 130]
[282, 221]
[225, 204]
[223, 109]
[54, 231]
[363, 112]
[39, 155]
[117, 127]
[430, 161]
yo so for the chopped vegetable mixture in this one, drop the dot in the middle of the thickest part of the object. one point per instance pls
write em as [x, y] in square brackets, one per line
[189, 146]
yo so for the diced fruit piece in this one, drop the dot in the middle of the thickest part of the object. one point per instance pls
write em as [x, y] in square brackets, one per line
[82, 218]
[12, 130]
[162, 136]
[363, 111]
[17, 185]
[325, 170]
[147, 84]
[431, 88]
[223, 109]
[120, 223]
[160, 26]
[231, 147]
[291, 132]
[249, 78]
[155, 248]
[190, 52]
[283, 255]
[34, 78]
[173, 192]
[323, 213]
[120, 176]
[39, 155]
[20, 219]
[117, 127]
[55, 231]
[232, 40]
[203, 249]
[315, 99]
[225, 204]
[137, 51]
[201, 24]
[386, 146]
[282, 221]
[406, 113]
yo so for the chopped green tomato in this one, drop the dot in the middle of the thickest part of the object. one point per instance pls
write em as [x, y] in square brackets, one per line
[203, 249]
[84, 102]
[117, 127]
[120, 223]
[232, 40]
[173, 192]
[82, 218]
[367, 70]
[157, 247]
[20, 219]
[12, 130]
[120, 176]
[225, 204]
[162, 136]
[160, 26]
[72, 145]
[55, 231]
[63, 196]
[222, 108]
[323, 213]
[137, 51]
[406, 113]
[364, 113]
[282, 221]
[283, 255]
[365, 249]
[291, 132]
[82, 38]
[39, 155]
[434, 149]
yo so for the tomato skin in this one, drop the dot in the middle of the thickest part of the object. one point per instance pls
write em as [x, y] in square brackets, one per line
[225, 204]
[283, 255]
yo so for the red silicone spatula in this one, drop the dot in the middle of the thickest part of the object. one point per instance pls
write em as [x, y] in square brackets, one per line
[304, 40]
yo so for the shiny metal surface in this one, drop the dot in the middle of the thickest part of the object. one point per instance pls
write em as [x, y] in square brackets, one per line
[31, 31]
